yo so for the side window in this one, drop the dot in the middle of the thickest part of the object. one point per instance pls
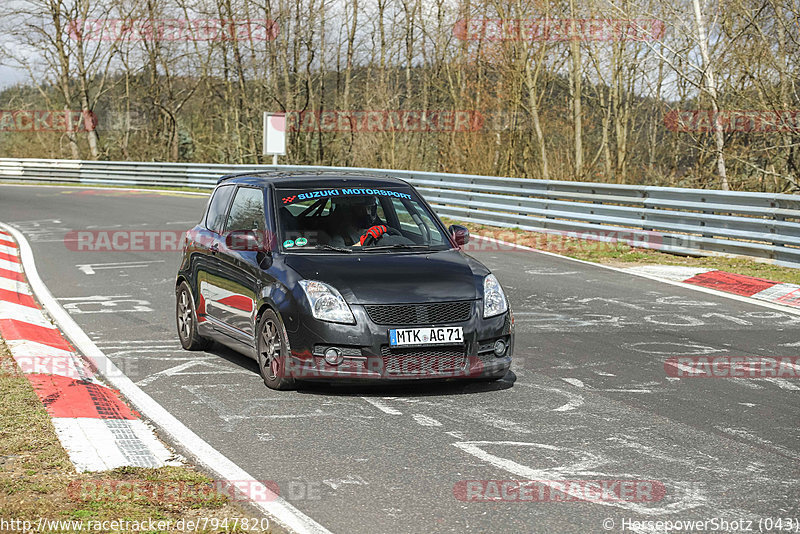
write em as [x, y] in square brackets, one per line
[406, 221]
[215, 219]
[411, 218]
[247, 210]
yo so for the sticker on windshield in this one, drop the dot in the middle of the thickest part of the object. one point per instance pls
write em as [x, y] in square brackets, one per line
[301, 196]
[301, 241]
[288, 243]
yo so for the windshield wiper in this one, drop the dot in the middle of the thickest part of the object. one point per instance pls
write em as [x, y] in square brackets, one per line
[398, 246]
[325, 246]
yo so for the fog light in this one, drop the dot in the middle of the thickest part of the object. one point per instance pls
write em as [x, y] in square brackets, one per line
[499, 347]
[333, 356]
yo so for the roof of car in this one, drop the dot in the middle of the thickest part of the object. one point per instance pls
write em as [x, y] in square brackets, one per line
[302, 179]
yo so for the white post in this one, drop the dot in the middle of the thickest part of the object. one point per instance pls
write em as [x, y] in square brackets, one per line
[274, 135]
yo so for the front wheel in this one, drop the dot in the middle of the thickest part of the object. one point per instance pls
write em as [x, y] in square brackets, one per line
[272, 345]
[187, 320]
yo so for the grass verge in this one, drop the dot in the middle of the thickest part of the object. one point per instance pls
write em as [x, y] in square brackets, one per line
[622, 255]
[37, 479]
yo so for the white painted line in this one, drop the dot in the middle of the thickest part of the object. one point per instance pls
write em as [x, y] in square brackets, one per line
[90, 268]
[336, 483]
[575, 401]
[14, 285]
[5, 249]
[26, 314]
[382, 407]
[574, 381]
[10, 266]
[692, 287]
[686, 369]
[584, 465]
[783, 384]
[215, 369]
[424, 420]
[204, 454]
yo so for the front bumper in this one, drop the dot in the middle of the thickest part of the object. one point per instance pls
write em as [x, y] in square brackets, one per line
[367, 355]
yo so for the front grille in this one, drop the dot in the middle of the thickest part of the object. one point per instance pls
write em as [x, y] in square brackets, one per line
[423, 360]
[486, 352]
[418, 314]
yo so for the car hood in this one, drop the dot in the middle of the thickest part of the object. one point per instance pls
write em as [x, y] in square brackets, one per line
[394, 278]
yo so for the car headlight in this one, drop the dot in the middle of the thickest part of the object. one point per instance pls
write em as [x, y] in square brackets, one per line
[326, 303]
[494, 300]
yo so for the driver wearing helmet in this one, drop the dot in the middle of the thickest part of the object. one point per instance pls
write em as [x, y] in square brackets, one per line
[356, 221]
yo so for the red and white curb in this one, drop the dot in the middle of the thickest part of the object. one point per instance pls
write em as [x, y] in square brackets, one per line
[201, 452]
[745, 286]
[96, 428]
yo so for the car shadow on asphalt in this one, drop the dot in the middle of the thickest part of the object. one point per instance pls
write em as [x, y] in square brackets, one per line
[417, 388]
[426, 388]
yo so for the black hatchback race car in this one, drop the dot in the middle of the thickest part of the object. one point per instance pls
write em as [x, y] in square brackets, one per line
[339, 277]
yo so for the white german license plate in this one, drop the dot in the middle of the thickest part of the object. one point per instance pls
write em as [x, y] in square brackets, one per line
[441, 335]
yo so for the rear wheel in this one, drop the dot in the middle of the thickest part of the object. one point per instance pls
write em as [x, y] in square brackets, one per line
[273, 352]
[187, 320]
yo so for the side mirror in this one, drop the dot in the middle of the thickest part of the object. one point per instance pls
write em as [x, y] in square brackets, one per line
[460, 234]
[244, 240]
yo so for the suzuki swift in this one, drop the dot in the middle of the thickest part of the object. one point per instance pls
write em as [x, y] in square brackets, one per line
[339, 277]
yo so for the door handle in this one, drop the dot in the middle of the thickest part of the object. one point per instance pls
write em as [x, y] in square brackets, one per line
[214, 248]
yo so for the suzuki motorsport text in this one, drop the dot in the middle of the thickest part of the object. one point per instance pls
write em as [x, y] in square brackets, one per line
[339, 277]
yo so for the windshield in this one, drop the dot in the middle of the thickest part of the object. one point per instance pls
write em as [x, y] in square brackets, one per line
[356, 220]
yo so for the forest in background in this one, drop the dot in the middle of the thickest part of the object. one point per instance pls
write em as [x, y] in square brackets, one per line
[598, 105]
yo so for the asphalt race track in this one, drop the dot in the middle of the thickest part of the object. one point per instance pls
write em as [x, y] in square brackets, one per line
[588, 397]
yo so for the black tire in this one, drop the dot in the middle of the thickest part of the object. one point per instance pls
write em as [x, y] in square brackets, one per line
[186, 320]
[272, 346]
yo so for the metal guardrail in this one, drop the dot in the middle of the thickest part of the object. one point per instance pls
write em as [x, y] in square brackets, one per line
[687, 221]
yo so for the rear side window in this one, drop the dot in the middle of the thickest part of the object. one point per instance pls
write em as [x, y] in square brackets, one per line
[218, 208]
[247, 210]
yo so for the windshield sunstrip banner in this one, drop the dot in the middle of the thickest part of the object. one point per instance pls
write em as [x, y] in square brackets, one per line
[302, 196]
